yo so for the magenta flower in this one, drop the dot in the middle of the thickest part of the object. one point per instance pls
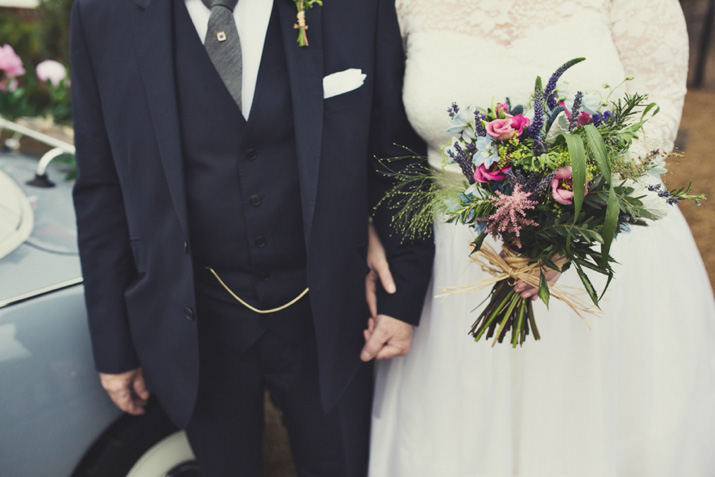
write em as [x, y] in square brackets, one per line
[483, 175]
[52, 71]
[583, 119]
[10, 63]
[519, 123]
[510, 216]
[562, 186]
[501, 129]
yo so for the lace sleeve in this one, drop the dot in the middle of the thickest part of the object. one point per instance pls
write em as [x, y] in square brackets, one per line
[403, 9]
[652, 43]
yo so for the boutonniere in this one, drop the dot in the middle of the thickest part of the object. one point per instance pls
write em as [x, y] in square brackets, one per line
[302, 6]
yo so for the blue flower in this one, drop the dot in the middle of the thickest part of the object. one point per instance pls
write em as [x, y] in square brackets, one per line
[462, 122]
[479, 227]
[486, 152]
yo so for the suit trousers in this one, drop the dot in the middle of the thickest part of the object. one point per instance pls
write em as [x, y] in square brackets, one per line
[226, 428]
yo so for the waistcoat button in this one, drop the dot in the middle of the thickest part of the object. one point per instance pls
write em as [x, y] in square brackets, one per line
[255, 200]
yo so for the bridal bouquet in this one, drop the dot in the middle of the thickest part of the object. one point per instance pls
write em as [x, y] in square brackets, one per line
[555, 183]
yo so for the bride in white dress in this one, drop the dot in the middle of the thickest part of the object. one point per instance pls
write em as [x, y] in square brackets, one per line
[633, 397]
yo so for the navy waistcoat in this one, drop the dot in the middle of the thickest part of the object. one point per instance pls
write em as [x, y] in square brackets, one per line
[242, 182]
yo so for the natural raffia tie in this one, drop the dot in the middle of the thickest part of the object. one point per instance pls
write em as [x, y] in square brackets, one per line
[254, 309]
[515, 267]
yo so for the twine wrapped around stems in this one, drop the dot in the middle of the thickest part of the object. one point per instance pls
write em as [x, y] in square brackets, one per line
[514, 267]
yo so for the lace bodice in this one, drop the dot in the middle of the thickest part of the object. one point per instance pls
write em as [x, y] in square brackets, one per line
[471, 51]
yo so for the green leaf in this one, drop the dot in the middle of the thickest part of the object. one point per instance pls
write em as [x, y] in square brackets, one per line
[546, 261]
[477, 244]
[544, 293]
[598, 148]
[610, 277]
[610, 225]
[648, 109]
[587, 284]
[578, 167]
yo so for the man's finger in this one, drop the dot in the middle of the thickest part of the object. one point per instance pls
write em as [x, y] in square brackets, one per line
[393, 350]
[122, 399]
[373, 345]
[140, 388]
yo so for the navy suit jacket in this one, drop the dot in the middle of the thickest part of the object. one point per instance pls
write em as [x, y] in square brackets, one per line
[130, 198]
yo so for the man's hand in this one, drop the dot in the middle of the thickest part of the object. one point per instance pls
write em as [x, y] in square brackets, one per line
[127, 390]
[386, 337]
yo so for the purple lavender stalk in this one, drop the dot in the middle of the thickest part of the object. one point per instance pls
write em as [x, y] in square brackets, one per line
[535, 130]
[575, 111]
[464, 161]
[478, 125]
[551, 85]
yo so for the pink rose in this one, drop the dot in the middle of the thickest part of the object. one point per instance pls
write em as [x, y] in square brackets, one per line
[10, 63]
[52, 71]
[483, 175]
[502, 107]
[501, 129]
[520, 123]
[562, 186]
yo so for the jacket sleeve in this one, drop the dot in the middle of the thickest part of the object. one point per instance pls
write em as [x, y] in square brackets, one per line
[410, 262]
[107, 262]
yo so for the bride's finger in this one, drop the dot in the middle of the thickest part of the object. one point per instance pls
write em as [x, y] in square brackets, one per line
[371, 293]
[383, 271]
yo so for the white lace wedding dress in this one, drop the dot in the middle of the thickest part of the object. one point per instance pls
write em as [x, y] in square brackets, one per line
[633, 397]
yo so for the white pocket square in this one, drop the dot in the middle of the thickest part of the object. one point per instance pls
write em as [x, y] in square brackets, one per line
[342, 82]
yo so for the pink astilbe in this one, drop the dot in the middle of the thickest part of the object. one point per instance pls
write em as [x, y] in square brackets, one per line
[510, 216]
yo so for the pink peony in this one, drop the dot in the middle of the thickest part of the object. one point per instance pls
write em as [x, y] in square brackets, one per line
[520, 123]
[501, 129]
[563, 178]
[483, 175]
[52, 71]
[10, 63]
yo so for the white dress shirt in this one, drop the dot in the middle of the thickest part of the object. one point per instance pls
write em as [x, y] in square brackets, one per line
[252, 17]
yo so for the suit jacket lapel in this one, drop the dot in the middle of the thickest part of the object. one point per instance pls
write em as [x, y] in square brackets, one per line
[305, 71]
[154, 49]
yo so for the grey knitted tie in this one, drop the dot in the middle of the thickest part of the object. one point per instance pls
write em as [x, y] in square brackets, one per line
[224, 46]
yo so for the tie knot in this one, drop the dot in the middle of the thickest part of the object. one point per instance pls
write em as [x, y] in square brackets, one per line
[230, 4]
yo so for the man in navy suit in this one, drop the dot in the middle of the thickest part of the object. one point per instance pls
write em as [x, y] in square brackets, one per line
[223, 233]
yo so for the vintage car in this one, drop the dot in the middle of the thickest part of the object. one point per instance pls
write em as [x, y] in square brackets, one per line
[55, 419]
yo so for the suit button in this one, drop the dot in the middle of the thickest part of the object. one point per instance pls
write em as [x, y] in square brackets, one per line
[186, 247]
[251, 154]
[255, 200]
[189, 314]
[261, 242]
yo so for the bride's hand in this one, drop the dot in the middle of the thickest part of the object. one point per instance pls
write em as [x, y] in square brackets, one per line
[379, 269]
[527, 291]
